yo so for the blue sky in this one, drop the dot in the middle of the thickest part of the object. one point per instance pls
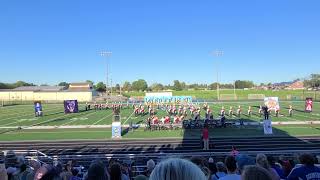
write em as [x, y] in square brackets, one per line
[160, 41]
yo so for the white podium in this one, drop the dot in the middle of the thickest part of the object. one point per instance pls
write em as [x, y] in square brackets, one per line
[116, 130]
[267, 127]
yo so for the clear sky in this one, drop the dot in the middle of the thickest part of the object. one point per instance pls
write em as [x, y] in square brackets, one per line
[49, 41]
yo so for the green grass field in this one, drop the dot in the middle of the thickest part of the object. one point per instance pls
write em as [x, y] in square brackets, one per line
[242, 94]
[12, 117]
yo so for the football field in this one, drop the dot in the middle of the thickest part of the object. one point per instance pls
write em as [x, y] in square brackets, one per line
[16, 116]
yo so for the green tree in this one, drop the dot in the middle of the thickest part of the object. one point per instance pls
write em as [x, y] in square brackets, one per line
[157, 87]
[313, 81]
[139, 85]
[65, 84]
[176, 85]
[126, 86]
[101, 87]
[22, 83]
[243, 84]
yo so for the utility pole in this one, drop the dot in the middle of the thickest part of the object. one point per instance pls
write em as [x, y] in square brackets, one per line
[106, 54]
[218, 53]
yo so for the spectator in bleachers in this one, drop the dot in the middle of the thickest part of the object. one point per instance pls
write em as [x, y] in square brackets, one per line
[177, 169]
[286, 165]
[66, 174]
[150, 166]
[74, 176]
[3, 172]
[231, 165]
[116, 173]
[244, 160]
[22, 173]
[308, 171]
[221, 171]
[35, 165]
[276, 167]
[234, 151]
[97, 171]
[47, 172]
[202, 164]
[141, 177]
[212, 166]
[262, 161]
[255, 173]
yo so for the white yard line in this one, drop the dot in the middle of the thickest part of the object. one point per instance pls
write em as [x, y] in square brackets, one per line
[128, 118]
[26, 115]
[77, 119]
[101, 119]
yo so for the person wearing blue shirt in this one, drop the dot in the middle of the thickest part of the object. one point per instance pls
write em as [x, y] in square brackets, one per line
[308, 171]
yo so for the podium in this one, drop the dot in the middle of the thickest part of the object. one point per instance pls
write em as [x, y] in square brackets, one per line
[267, 127]
[116, 127]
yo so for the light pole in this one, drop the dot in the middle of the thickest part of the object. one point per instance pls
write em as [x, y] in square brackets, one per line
[218, 53]
[106, 54]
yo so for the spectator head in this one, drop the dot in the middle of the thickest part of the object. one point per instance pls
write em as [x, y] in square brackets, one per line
[197, 161]
[231, 164]
[262, 161]
[115, 172]
[47, 172]
[220, 167]
[211, 161]
[212, 166]
[150, 165]
[307, 159]
[35, 165]
[97, 171]
[140, 177]
[244, 160]
[177, 169]
[271, 160]
[20, 161]
[255, 172]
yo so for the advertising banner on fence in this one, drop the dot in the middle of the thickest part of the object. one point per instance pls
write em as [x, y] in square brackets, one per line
[272, 103]
[38, 108]
[309, 105]
[71, 106]
[168, 99]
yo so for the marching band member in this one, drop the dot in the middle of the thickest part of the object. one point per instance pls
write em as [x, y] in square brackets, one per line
[176, 119]
[260, 110]
[142, 110]
[290, 110]
[277, 111]
[239, 111]
[222, 112]
[231, 111]
[249, 111]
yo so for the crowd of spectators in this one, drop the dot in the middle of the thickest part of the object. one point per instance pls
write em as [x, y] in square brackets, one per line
[234, 167]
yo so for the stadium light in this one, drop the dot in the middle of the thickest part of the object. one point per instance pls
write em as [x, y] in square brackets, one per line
[106, 54]
[218, 53]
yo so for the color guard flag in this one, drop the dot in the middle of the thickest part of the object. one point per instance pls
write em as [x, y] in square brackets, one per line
[71, 106]
[37, 108]
[309, 105]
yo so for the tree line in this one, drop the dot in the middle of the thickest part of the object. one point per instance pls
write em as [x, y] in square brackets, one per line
[141, 85]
